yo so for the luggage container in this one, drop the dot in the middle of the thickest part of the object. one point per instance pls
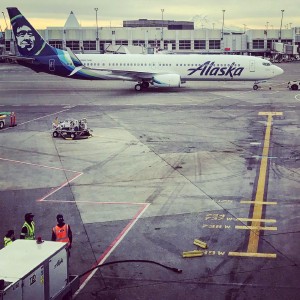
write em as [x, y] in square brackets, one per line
[39, 271]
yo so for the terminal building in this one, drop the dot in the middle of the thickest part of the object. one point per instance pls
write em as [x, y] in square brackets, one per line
[173, 36]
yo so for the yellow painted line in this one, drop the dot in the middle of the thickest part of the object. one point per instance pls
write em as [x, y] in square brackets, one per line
[256, 228]
[270, 113]
[259, 220]
[248, 254]
[257, 202]
[259, 197]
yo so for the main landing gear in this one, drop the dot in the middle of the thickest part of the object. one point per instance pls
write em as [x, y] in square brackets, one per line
[142, 86]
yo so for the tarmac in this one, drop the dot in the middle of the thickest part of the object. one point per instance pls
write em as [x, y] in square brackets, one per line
[214, 161]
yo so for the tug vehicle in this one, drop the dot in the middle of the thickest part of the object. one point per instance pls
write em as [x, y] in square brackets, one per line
[71, 129]
[4, 116]
[294, 85]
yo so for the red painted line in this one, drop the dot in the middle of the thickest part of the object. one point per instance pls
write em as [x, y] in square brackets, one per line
[119, 238]
[60, 187]
[47, 167]
[112, 247]
[94, 202]
[37, 165]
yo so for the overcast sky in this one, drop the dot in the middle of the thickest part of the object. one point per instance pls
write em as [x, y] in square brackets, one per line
[207, 14]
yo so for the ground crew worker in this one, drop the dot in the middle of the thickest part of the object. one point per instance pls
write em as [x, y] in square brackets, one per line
[55, 122]
[28, 229]
[9, 237]
[12, 119]
[62, 232]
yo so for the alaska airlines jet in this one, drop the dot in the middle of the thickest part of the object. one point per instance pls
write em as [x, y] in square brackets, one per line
[163, 70]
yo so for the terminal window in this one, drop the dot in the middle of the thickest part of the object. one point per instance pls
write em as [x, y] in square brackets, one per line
[104, 44]
[199, 44]
[214, 44]
[184, 44]
[7, 45]
[172, 42]
[122, 42]
[258, 44]
[153, 43]
[56, 44]
[73, 45]
[89, 45]
[138, 43]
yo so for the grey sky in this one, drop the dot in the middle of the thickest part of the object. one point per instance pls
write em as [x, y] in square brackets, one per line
[253, 13]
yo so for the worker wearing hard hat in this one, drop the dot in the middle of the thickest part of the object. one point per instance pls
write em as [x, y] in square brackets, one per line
[28, 229]
[62, 232]
[9, 237]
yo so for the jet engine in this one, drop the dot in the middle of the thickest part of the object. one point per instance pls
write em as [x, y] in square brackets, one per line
[167, 80]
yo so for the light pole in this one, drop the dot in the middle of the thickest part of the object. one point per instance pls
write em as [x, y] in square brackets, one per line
[97, 31]
[223, 24]
[267, 27]
[222, 41]
[162, 27]
[96, 9]
[282, 11]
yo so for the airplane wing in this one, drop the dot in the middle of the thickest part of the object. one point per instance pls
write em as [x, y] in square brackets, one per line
[111, 74]
[134, 75]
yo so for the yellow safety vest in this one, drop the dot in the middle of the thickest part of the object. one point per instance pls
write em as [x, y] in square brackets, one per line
[7, 241]
[30, 231]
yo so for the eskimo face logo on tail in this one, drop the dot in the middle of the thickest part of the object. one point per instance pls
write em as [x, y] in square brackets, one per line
[210, 69]
[25, 38]
[28, 40]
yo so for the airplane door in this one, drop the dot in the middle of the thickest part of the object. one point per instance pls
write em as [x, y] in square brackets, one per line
[51, 65]
[252, 66]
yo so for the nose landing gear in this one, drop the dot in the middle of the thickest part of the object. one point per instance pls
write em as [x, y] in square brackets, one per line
[256, 85]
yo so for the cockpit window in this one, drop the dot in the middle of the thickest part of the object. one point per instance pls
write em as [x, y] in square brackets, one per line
[266, 64]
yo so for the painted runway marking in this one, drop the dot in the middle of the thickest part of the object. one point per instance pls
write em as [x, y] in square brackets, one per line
[68, 181]
[260, 220]
[255, 143]
[112, 247]
[58, 112]
[45, 116]
[37, 165]
[246, 254]
[259, 201]
[116, 241]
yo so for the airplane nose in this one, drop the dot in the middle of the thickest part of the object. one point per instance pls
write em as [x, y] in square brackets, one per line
[278, 71]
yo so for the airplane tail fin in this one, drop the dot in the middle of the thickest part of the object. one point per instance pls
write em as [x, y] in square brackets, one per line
[29, 41]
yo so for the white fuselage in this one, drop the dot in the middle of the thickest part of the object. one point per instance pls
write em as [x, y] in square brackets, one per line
[191, 67]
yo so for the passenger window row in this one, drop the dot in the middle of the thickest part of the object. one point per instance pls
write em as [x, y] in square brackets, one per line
[153, 64]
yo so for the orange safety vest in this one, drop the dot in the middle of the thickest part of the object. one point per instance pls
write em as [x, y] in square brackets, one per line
[62, 233]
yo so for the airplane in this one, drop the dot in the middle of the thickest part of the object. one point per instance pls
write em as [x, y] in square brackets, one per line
[162, 70]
